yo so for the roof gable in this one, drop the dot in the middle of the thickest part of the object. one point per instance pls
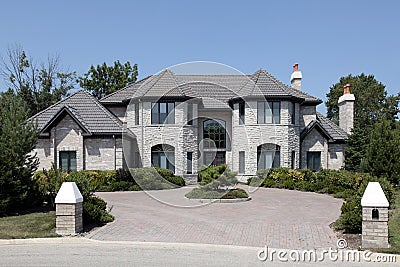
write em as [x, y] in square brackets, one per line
[333, 132]
[85, 110]
[59, 115]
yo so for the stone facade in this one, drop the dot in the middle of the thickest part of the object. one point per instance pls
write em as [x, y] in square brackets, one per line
[92, 152]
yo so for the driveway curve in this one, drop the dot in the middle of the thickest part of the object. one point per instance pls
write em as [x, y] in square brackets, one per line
[277, 218]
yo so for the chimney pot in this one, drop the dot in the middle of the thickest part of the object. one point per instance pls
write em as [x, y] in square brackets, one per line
[295, 67]
[346, 89]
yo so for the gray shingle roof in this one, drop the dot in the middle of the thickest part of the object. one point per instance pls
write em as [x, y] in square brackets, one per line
[92, 116]
[167, 83]
[330, 129]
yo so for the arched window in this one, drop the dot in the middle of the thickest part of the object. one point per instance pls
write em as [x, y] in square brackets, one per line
[268, 156]
[375, 214]
[215, 131]
[163, 156]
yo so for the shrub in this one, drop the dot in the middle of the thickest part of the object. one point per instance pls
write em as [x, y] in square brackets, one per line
[170, 177]
[235, 193]
[202, 193]
[351, 217]
[94, 211]
[149, 179]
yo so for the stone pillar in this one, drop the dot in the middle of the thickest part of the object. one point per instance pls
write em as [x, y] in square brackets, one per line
[374, 217]
[69, 209]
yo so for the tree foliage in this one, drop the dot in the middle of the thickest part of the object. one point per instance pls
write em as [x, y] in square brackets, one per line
[39, 85]
[372, 105]
[17, 164]
[383, 151]
[103, 80]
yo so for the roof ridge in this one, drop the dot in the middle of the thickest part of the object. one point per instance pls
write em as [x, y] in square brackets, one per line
[160, 75]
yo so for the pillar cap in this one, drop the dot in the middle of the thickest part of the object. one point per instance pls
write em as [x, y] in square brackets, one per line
[69, 194]
[374, 196]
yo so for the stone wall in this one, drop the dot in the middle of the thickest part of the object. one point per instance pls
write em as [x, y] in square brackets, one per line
[103, 153]
[69, 218]
[335, 156]
[315, 142]
[307, 114]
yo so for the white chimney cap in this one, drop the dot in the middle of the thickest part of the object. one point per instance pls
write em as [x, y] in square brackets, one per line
[69, 194]
[374, 196]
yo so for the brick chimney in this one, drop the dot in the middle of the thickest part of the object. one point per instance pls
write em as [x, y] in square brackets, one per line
[346, 109]
[295, 78]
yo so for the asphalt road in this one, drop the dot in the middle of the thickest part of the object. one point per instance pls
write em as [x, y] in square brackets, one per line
[83, 252]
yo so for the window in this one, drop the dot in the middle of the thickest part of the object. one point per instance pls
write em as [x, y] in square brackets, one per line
[314, 160]
[293, 159]
[241, 162]
[189, 158]
[67, 161]
[214, 158]
[268, 156]
[163, 156]
[214, 134]
[190, 114]
[375, 214]
[292, 113]
[163, 113]
[242, 109]
[269, 112]
[137, 113]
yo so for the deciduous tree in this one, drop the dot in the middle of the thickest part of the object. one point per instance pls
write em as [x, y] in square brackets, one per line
[103, 80]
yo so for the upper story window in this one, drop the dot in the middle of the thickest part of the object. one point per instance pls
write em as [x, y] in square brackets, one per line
[269, 112]
[214, 134]
[163, 113]
[292, 113]
[242, 108]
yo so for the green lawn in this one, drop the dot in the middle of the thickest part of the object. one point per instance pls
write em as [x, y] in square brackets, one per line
[394, 226]
[28, 226]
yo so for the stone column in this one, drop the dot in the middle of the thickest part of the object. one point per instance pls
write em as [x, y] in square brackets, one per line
[374, 217]
[69, 209]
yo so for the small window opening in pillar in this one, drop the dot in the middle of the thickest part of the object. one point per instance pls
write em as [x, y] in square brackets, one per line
[375, 214]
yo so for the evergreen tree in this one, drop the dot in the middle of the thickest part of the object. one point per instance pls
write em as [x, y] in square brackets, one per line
[371, 106]
[383, 151]
[103, 80]
[17, 163]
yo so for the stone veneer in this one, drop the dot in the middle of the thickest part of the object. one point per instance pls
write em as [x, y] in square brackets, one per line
[92, 152]
[69, 218]
[375, 232]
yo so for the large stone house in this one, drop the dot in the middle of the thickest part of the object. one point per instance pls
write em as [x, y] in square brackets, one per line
[181, 122]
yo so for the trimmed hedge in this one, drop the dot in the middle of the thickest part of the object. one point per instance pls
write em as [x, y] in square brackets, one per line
[201, 193]
[341, 184]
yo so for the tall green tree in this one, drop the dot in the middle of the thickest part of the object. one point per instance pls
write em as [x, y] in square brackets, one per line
[40, 85]
[382, 157]
[103, 80]
[371, 106]
[17, 162]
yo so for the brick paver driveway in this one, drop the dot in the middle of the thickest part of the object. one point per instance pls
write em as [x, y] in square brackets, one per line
[274, 217]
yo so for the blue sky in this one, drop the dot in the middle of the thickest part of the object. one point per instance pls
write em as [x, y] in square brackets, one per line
[328, 39]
